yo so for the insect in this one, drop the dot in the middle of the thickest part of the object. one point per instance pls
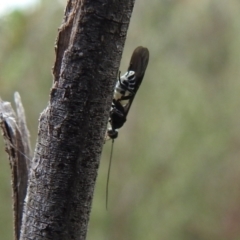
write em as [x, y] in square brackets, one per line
[126, 89]
[124, 93]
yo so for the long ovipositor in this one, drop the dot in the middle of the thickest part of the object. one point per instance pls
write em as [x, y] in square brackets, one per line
[124, 93]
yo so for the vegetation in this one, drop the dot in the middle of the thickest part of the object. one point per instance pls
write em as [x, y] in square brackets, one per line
[176, 168]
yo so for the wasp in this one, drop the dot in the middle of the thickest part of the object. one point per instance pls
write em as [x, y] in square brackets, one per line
[124, 93]
[126, 89]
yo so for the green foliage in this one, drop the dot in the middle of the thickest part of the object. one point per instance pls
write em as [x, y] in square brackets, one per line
[176, 168]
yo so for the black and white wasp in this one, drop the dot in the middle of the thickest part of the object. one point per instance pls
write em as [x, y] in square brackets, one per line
[124, 93]
[126, 89]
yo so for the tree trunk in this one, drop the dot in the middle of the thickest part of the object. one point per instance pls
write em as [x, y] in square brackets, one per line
[72, 128]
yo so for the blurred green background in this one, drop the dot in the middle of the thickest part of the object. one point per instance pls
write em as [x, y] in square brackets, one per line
[176, 163]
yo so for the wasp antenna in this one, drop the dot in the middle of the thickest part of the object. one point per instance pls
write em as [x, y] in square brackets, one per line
[108, 175]
[119, 78]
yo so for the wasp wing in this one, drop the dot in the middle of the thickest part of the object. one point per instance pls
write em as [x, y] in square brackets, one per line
[138, 64]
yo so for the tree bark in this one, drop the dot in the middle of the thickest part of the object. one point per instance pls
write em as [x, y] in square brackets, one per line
[16, 138]
[72, 127]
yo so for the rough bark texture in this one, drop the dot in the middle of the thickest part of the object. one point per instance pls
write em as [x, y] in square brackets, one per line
[16, 138]
[72, 127]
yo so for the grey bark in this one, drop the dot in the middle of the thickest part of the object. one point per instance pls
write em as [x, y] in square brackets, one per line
[17, 145]
[72, 127]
